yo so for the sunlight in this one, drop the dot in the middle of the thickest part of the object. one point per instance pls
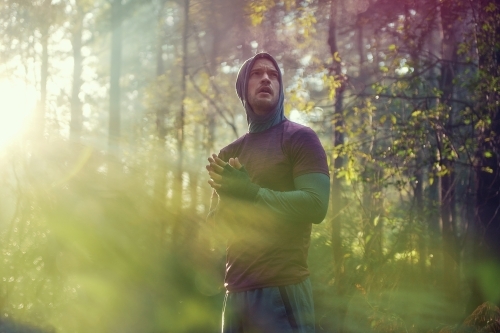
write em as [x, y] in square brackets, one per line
[17, 101]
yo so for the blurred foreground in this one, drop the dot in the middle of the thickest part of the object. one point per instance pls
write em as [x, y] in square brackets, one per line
[85, 247]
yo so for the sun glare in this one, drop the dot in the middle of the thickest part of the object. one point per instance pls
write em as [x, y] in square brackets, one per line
[17, 102]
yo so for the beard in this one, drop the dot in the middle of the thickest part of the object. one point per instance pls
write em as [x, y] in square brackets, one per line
[261, 106]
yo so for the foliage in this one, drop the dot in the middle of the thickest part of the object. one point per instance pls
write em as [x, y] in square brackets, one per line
[95, 238]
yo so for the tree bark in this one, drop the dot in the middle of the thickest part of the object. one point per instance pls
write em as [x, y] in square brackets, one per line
[44, 69]
[449, 19]
[160, 185]
[336, 201]
[434, 49]
[76, 104]
[487, 221]
[178, 229]
[115, 74]
[371, 202]
[418, 193]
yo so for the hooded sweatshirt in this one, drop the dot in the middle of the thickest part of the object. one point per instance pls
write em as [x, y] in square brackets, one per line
[255, 122]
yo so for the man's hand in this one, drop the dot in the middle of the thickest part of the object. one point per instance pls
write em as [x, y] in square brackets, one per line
[231, 178]
[215, 168]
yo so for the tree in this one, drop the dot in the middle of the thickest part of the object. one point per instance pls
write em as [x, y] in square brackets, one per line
[450, 27]
[178, 227]
[79, 10]
[336, 191]
[487, 218]
[115, 73]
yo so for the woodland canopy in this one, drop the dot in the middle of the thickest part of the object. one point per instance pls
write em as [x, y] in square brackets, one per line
[110, 108]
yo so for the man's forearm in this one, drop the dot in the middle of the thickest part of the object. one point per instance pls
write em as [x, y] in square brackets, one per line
[308, 203]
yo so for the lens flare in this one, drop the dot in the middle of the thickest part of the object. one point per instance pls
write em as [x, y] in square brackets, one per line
[17, 102]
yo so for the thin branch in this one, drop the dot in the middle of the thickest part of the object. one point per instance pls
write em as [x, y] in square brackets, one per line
[212, 102]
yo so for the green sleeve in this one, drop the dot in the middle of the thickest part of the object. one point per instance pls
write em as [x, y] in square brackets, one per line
[308, 202]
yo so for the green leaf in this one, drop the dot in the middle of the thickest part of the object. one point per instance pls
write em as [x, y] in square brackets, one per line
[491, 7]
[393, 119]
[487, 169]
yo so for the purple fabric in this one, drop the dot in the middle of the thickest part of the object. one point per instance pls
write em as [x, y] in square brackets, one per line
[255, 122]
[262, 250]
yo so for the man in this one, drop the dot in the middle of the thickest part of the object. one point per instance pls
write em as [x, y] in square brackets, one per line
[270, 185]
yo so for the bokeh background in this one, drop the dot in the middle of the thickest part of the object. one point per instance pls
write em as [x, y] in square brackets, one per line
[109, 109]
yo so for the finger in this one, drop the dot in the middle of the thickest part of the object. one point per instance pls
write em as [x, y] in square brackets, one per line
[216, 168]
[211, 159]
[215, 176]
[218, 160]
[237, 163]
[214, 185]
[213, 165]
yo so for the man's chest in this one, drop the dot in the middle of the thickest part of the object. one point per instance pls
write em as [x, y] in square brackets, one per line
[268, 164]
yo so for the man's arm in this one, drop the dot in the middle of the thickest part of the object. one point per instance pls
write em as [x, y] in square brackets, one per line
[308, 202]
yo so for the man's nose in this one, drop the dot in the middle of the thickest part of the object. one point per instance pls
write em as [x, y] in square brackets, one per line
[265, 77]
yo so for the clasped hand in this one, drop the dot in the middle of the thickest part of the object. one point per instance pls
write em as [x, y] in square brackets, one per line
[231, 178]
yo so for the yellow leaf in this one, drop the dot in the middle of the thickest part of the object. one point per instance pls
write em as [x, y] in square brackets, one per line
[487, 169]
[336, 57]
[487, 154]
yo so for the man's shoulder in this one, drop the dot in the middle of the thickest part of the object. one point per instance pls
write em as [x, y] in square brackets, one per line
[295, 130]
[233, 145]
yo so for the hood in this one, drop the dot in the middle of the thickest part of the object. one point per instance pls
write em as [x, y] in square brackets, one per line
[255, 122]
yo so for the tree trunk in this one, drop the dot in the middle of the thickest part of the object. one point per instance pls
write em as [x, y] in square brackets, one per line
[433, 47]
[449, 19]
[76, 104]
[336, 200]
[44, 69]
[487, 223]
[371, 202]
[160, 184]
[427, 40]
[178, 229]
[418, 193]
[115, 73]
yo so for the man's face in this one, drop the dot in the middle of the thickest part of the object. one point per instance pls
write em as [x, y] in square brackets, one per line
[263, 87]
